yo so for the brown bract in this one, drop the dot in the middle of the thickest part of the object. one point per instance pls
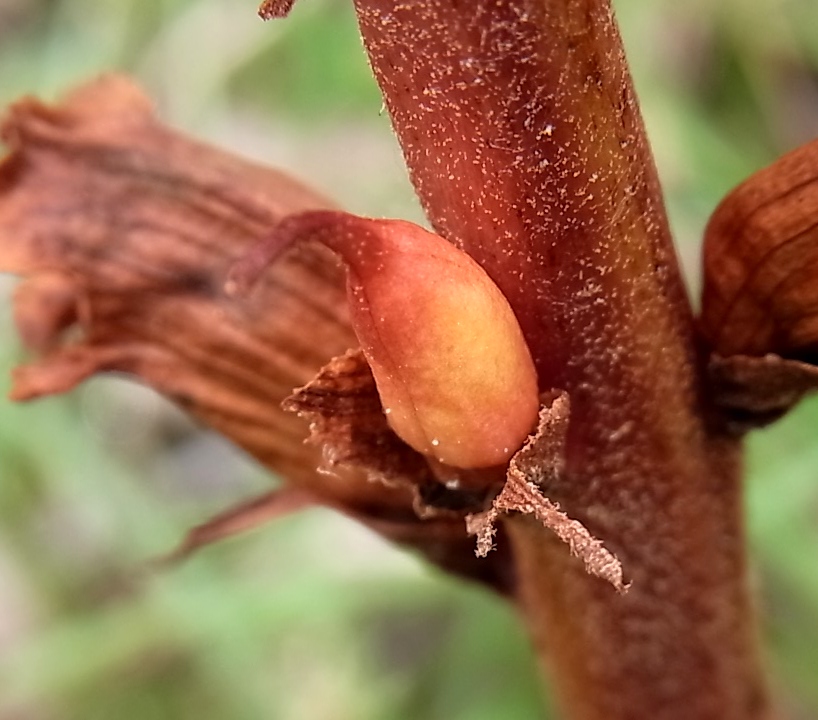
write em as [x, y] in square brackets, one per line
[348, 425]
[755, 391]
[540, 462]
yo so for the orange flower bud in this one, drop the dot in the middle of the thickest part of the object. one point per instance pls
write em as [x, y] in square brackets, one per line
[454, 374]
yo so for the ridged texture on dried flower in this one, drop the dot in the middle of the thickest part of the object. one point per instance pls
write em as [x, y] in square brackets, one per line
[761, 263]
[125, 231]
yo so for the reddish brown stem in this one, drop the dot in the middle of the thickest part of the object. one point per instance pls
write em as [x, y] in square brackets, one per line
[525, 143]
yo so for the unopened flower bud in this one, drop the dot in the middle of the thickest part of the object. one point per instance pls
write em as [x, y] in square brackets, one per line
[453, 371]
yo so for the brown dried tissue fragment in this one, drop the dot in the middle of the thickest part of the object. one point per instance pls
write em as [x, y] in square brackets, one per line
[760, 302]
[126, 230]
[541, 460]
[348, 422]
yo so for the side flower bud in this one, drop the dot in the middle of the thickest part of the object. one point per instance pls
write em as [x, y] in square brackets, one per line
[453, 371]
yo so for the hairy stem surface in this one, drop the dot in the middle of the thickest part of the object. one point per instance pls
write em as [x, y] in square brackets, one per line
[525, 143]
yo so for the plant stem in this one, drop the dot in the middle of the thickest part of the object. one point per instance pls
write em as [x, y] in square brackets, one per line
[525, 143]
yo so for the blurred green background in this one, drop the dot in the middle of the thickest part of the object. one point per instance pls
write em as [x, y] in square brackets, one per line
[313, 617]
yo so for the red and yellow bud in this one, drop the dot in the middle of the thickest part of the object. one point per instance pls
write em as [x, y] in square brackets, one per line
[454, 374]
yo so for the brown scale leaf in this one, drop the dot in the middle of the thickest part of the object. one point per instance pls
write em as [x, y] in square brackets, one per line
[761, 263]
[126, 230]
[755, 391]
[539, 462]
